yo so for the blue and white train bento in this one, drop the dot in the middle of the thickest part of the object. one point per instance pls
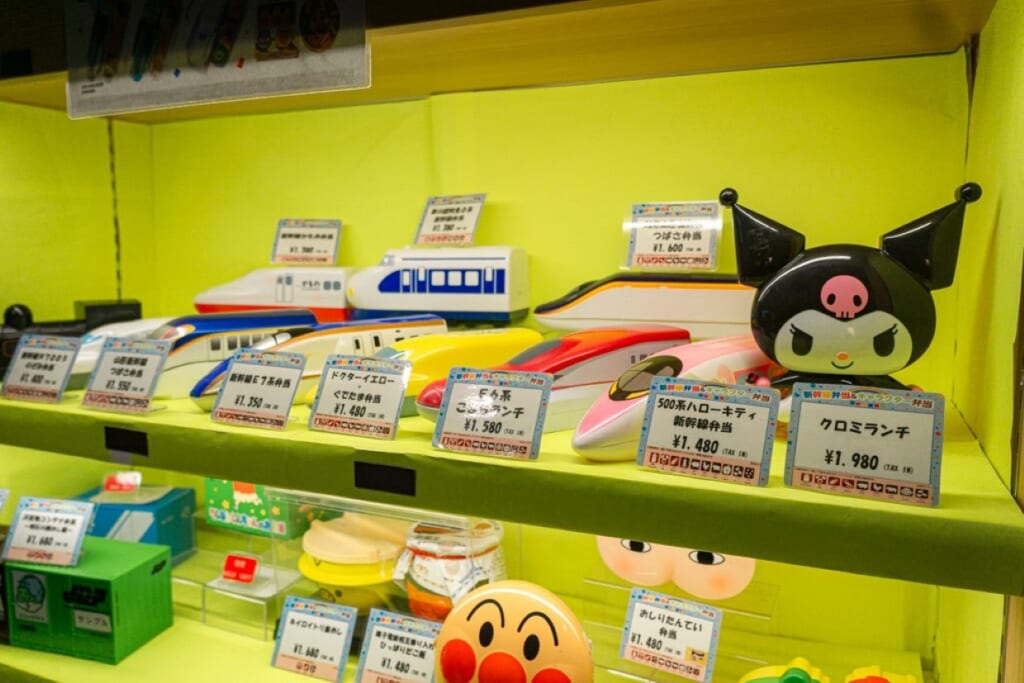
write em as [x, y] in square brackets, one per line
[470, 284]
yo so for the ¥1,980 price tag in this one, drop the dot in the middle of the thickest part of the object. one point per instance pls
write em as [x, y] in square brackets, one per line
[708, 430]
[314, 638]
[674, 235]
[259, 387]
[40, 368]
[865, 441]
[126, 374]
[450, 220]
[670, 634]
[493, 413]
[397, 649]
[360, 396]
[308, 241]
[48, 531]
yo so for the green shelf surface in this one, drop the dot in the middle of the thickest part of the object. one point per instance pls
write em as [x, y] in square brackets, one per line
[971, 540]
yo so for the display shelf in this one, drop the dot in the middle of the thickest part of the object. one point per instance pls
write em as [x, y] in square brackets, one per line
[962, 543]
[605, 40]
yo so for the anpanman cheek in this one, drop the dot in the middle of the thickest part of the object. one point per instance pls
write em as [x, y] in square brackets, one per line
[501, 667]
[458, 662]
[550, 676]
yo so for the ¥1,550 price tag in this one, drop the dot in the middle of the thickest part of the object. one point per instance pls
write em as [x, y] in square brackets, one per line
[864, 441]
[397, 649]
[710, 431]
[670, 634]
[309, 241]
[674, 235]
[259, 387]
[126, 374]
[314, 638]
[360, 396]
[450, 220]
[40, 368]
[48, 531]
[493, 413]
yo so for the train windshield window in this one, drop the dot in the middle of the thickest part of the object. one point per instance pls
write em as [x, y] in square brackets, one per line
[473, 278]
[391, 353]
[165, 332]
[232, 343]
[436, 278]
[455, 278]
[636, 381]
[245, 341]
[534, 351]
[215, 343]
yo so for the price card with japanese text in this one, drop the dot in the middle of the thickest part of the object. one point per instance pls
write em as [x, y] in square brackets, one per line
[122, 482]
[126, 374]
[397, 649]
[314, 638]
[240, 568]
[450, 220]
[493, 413]
[40, 368]
[674, 236]
[670, 634]
[48, 531]
[259, 388]
[868, 442]
[306, 241]
[709, 430]
[360, 396]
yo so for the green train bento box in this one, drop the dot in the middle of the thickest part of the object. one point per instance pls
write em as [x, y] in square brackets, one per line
[248, 508]
[117, 598]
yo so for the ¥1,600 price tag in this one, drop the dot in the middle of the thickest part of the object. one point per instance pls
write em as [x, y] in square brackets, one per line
[709, 430]
[493, 413]
[864, 441]
[40, 368]
[670, 634]
[674, 235]
[259, 387]
[314, 638]
[48, 531]
[450, 220]
[397, 649]
[360, 396]
[126, 374]
[303, 240]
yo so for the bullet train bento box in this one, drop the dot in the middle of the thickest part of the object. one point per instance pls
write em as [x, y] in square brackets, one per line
[320, 290]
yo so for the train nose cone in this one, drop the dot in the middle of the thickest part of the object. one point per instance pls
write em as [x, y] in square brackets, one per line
[611, 436]
[428, 403]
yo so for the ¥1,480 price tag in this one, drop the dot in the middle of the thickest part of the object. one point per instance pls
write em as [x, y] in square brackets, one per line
[360, 396]
[397, 649]
[864, 441]
[314, 638]
[259, 387]
[493, 413]
[710, 431]
[674, 235]
[671, 634]
[48, 531]
[40, 368]
[303, 240]
[450, 220]
[126, 375]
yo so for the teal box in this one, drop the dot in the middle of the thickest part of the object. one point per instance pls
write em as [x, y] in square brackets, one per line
[117, 598]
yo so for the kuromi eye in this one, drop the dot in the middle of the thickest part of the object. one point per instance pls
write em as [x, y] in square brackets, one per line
[486, 633]
[802, 341]
[636, 546]
[706, 557]
[885, 341]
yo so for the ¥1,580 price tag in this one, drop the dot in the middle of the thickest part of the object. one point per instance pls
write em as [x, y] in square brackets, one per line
[493, 413]
[360, 396]
[450, 220]
[40, 368]
[864, 441]
[259, 387]
[126, 374]
[708, 430]
[48, 531]
[671, 634]
[303, 240]
[314, 638]
[674, 235]
[397, 649]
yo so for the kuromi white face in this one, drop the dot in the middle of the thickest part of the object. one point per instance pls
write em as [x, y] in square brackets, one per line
[873, 344]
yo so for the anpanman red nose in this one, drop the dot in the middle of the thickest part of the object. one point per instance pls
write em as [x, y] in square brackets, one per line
[550, 676]
[500, 667]
[458, 662]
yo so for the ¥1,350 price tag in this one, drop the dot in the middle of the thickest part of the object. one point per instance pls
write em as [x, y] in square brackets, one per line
[710, 431]
[397, 649]
[259, 387]
[864, 441]
[450, 220]
[670, 634]
[674, 235]
[48, 531]
[303, 240]
[493, 413]
[360, 396]
[40, 368]
[126, 374]
[314, 638]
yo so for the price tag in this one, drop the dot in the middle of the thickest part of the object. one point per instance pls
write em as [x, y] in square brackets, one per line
[4, 494]
[864, 441]
[48, 531]
[360, 396]
[397, 649]
[122, 482]
[259, 387]
[710, 431]
[493, 413]
[126, 374]
[670, 634]
[40, 368]
[303, 240]
[240, 568]
[314, 638]
[674, 236]
[450, 220]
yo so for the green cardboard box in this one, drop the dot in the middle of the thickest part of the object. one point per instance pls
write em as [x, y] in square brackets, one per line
[247, 507]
